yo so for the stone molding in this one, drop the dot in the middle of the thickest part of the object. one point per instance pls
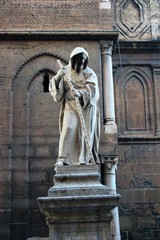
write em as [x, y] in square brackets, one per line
[78, 206]
[131, 18]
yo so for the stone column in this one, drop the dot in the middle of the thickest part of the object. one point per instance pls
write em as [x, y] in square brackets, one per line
[108, 90]
[109, 179]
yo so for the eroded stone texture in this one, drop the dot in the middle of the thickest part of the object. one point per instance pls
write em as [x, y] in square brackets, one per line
[78, 206]
[140, 218]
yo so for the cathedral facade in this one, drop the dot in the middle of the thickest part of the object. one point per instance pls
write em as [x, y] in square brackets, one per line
[33, 35]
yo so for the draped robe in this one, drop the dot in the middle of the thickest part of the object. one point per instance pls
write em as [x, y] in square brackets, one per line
[72, 146]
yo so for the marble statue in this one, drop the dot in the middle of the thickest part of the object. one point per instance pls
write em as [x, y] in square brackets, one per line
[76, 86]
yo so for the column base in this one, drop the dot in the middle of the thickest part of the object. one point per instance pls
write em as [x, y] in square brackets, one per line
[110, 127]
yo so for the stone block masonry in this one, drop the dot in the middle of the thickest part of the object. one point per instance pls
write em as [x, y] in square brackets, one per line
[29, 130]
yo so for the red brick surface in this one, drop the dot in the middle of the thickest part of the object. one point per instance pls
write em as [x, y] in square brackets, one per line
[54, 15]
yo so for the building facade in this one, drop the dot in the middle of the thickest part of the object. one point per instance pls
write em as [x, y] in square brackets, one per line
[33, 35]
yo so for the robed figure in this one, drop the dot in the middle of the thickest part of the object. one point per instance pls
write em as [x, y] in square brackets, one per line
[76, 86]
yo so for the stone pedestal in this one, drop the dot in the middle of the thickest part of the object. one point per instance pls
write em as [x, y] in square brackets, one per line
[78, 206]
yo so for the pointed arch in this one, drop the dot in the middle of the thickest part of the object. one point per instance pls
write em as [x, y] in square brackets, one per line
[135, 95]
[135, 103]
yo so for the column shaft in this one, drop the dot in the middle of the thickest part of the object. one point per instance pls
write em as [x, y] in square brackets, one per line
[108, 89]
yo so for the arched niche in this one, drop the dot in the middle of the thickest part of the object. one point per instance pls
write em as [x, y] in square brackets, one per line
[136, 108]
[34, 133]
[134, 100]
[27, 86]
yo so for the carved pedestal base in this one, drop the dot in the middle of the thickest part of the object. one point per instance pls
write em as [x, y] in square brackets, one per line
[78, 206]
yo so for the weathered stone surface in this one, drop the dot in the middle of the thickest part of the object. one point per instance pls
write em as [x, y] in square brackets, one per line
[20, 70]
[131, 19]
[77, 180]
[76, 193]
[145, 219]
[138, 151]
[111, 142]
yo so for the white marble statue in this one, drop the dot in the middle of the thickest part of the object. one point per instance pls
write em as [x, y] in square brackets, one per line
[76, 86]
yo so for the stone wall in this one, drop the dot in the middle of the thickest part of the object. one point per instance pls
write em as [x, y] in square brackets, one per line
[134, 19]
[29, 117]
[136, 77]
[29, 131]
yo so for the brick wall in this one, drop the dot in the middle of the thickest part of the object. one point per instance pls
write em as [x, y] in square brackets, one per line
[50, 15]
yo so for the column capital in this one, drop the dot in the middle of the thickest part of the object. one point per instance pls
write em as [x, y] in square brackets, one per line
[109, 161]
[107, 47]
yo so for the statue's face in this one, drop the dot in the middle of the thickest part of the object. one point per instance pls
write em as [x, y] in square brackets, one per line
[78, 62]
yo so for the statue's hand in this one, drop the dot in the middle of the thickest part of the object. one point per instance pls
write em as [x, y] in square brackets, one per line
[76, 93]
[61, 72]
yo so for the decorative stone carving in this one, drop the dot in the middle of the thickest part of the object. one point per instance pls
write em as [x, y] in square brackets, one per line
[131, 18]
[135, 89]
[155, 18]
[30, 60]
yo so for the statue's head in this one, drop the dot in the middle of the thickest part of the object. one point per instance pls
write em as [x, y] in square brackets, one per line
[79, 59]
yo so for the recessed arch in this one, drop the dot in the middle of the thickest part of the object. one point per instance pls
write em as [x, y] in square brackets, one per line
[135, 95]
[23, 79]
[39, 72]
[135, 112]
[31, 59]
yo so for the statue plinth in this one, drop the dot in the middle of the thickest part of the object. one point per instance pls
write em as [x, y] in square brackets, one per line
[78, 206]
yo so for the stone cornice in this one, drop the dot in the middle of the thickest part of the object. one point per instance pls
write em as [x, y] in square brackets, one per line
[143, 46]
[60, 35]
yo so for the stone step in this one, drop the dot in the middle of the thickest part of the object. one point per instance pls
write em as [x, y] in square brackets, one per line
[78, 180]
